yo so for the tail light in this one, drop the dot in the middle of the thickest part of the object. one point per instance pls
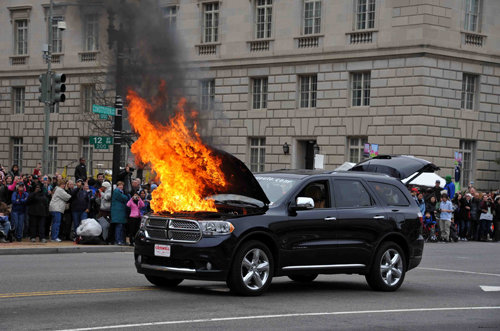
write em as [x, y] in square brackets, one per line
[421, 218]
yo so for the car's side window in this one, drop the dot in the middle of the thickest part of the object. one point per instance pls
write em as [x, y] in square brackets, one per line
[319, 192]
[390, 194]
[351, 193]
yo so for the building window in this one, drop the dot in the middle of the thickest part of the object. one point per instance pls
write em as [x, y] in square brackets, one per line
[308, 90]
[52, 165]
[259, 93]
[18, 99]
[467, 148]
[365, 14]
[360, 89]
[56, 35]
[91, 34]
[21, 37]
[355, 148]
[170, 15]
[312, 16]
[263, 18]
[88, 154]
[88, 97]
[207, 94]
[211, 22]
[257, 154]
[468, 91]
[17, 152]
[472, 10]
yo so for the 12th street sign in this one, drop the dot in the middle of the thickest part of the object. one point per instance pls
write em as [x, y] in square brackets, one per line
[104, 110]
[101, 142]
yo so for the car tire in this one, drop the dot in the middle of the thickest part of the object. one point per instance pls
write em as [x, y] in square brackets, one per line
[303, 278]
[389, 268]
[252, 269]
[163, 282]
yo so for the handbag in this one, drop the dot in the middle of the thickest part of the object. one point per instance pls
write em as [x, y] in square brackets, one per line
[486, 216]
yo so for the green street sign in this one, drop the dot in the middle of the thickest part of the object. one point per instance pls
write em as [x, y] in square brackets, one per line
[103, 116]
[101, 142]
[105, 110]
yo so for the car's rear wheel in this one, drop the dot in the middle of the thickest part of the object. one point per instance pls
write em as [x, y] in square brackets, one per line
[252, 269]
[303, 278]
[164, 282]
[389, 268]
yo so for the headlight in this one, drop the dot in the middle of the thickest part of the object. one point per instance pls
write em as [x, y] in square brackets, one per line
[216, 228]
[144, 219]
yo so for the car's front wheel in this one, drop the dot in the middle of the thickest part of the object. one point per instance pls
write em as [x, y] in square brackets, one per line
[389, 267]
[252, 269]
[164, 282]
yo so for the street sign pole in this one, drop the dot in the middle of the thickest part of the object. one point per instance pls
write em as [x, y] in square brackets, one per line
[47, 101]
[117, 138]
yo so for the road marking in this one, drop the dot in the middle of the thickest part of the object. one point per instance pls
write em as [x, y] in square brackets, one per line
[238, 318]
[462, 271]
[490, 288]
[84, 291]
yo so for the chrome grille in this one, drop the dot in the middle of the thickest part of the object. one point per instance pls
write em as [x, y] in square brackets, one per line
[176, 230]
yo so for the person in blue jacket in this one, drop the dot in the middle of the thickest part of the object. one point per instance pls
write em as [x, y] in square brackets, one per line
[18, 214]
[119, 212]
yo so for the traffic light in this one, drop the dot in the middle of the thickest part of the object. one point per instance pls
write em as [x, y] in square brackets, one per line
[43, 88]
[58, 88]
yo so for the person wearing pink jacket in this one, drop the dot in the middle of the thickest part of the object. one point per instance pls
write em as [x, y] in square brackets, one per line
[135, 204]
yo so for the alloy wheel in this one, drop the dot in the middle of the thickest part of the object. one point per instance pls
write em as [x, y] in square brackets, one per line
[255, 269]
[391, 267]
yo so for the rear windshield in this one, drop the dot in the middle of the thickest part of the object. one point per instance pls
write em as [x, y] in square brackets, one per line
[275, 187]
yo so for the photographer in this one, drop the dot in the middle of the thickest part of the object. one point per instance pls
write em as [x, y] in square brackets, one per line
[485, 218]
[135, 204]
[125, 176]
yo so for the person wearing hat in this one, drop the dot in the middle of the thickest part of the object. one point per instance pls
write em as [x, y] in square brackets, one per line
[496, 218]
[436, 190]
[449, 187]
[18, 214]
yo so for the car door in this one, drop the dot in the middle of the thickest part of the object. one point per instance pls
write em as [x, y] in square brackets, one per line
[307, 238]
[360, 221]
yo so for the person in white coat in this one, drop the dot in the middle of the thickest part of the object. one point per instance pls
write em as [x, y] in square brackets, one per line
[57, 206]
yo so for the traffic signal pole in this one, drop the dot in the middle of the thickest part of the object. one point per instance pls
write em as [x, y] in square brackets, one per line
[47, 101]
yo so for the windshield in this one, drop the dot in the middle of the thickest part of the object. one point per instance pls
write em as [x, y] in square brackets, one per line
[276, 187]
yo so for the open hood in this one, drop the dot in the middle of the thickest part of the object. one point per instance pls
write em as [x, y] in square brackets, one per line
[240, 179]
[399, 166]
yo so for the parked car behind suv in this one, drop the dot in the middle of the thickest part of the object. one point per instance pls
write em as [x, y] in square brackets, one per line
[292, 223]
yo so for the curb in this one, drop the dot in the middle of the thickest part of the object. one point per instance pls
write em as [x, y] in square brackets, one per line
[65, 250]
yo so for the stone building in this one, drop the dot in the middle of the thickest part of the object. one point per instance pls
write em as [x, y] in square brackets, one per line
[417, 77]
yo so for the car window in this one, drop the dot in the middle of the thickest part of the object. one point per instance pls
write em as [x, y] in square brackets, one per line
[351, 193]
[318, 191]
[390, 194]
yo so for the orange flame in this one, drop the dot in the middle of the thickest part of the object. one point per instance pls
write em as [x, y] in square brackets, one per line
[185, 166]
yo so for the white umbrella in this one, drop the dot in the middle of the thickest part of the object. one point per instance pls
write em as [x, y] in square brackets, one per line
[345, 166]
[426, 179]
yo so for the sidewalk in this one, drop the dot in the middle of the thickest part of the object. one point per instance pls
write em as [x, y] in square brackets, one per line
[27, 247]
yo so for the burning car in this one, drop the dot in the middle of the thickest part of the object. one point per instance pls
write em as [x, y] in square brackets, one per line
[215, 220]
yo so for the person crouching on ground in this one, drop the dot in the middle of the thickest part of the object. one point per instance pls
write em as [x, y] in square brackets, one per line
[4, 222]
[135, 204]
[119, 212]
[56, 207]
[446, 209]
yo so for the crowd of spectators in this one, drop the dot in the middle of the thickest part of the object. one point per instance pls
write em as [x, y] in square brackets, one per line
[52, 207]
[458, 216]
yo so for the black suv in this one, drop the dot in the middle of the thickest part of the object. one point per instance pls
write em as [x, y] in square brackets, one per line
[288, 223]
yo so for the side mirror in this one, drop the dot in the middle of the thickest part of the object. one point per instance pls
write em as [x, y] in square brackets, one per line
[303, 203]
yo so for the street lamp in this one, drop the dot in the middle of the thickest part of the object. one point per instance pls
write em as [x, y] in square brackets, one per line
[286, 149]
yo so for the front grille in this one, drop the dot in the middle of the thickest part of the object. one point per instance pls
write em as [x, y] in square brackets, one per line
[175, 230]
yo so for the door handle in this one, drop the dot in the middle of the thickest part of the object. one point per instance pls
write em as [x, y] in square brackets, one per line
[395, 210]
[330, 218]
[379, 217]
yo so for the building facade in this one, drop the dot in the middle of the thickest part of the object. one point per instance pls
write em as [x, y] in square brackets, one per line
[289, 78]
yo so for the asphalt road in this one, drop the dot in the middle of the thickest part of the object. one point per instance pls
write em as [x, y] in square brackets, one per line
[103, 291]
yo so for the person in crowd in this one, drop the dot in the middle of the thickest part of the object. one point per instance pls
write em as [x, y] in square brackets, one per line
[98, 183]
[18, 215]
[81, 170]
[143, 194]
[421, 203]
[430, 226]
[436, 190]
[135, 204]
[474, 212]
[136, 186]
[449, 187]
[4, 222]
[14, 171]
[430, 207]
[119, 212]
[446, 210]
[5, 193]
[104, 200]
[125, 176]
[38, 210]
[90, 189]
[38, 169]
[465, 217]
[496, 218]
[485, 218]
[56, 208]
[47, 184]
[80, 204]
